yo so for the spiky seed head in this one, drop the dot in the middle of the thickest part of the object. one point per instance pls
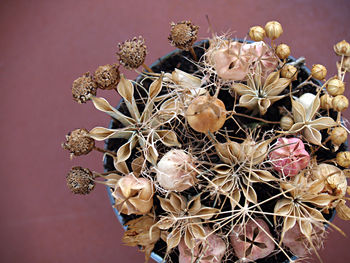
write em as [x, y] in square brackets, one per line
[318, 71]
[78, 142]
[80, 180]
[342, 48]
[132, 53]
[183, 34]
[107, 76]
[83, 87]
[257, 33]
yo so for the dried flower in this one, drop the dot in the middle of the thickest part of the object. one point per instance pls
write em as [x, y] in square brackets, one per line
[257, 33]
[318, 71]
[335, 87]
[83, 88]
[338, 135]
[206, 113]
[283, 51]
[289, 72]
[342, 48]
[326, 102]
[176, 171]
[340, 103]
[132, 53]
[343, 159]
[80, 180]
[273, 30]
[286, 123]
[289, 156]
[107, 76]
[78, 142]
[183, 34]
[133, 195]
[252, 240]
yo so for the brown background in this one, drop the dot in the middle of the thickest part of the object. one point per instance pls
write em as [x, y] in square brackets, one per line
[44, 46]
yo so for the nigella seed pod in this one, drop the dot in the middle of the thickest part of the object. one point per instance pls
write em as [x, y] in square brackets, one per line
[343, 159]
[289, 72]
[257, 33]
[78, 142]
[283, 51]
[338, 135]
[326, 102]
[340, 103]
[273, 30]
[132, 53]
[335, 87]
[318, 71]
[183, 34]
[83, 88]
[80, 180]
[342, 48]
[286, 123]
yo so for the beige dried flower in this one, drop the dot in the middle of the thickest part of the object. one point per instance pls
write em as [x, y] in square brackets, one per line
[257, 33]
[343, 159]
[340, 103]
[80, 180]
[83, 88]
[342, 48]
[283, 51]
[183, 34]
[326, 102]
[289, 72]
[318, 71]
[132, 52]
[107, 76]
[286, 123]
[273, 30]
[335, 87]
[78, 142]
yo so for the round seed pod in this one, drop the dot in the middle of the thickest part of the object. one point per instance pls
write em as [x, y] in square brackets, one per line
[183, 34]
[286, 123]
[318, 71]
[80, 180]
[326, 102]
[335, 87]
[338, 135]
[343, 159]
[83, 88]
[273, 29]
[206, 113]
[283, 51]
[289, 72]
[132, 53]
[257, 33]
[340, 103]
[78, 142]
[107, 76]
[342, 48]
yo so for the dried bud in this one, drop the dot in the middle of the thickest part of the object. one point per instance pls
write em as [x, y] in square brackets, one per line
[175, 171]
[183, 34]
[132, 53]
[289, 72]
[80, 180]
[257, 33]
[338, 135]
[335, 87]
[346, 64]
[326, 101]
[83, 88]
[206, 113]
[342, 48]
[78, 142]
[343, 159]
[286, 123]
[133, 195]
[107, 76]
[273, 29]
[318, 71]
[340, 103]
[283, 51]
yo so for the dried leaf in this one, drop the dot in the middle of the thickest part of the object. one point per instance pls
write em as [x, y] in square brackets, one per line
[343, 210]
[101, 133]
[198, 231]
[125, 150]
[137, 165]
[173, 239]
[168, 138]
[125, 89]
[155, 87]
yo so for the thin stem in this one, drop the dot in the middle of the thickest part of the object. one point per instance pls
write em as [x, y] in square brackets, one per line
[255, 118]
[193, 54]
[104, 151]
[147, 68]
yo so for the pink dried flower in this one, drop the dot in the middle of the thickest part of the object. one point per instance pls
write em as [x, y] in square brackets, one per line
[252, 240]
[290, 156]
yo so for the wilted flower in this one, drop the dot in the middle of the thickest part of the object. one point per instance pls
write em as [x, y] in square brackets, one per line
[78, 142]
[80, 180]
[132, 53]
[107, 76]
[83, 88]
[183, 34]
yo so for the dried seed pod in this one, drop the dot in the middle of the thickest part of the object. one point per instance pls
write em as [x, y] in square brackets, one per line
[273, 29]
[132, 53]
[78, 142]
[283, 51]
[335, 87]
[286, 123]
[346, 64]
[342, 48]
[107, 76]
[340, 103]
[183, 34]
[289, 72]
[343, 159]
[326, 101]
[338, 135]
[257, 33]
[206, 113]
[80, 180]
[83, 87]
[318, 71]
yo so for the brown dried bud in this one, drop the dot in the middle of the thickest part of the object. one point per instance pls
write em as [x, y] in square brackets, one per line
[338, 135]
[83, 88]
[78, 142]
[326, 101]
[107, 76]
[273, 29]
[80, 180]
[318, 71]
[289, 72]
[183, 34]
[342, 48]
[340, 103]
[283, 51]
[343, 159]
[257, 33]
[286, 123]
[132, 53]
[335, 87]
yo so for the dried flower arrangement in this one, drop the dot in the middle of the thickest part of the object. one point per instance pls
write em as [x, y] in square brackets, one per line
[223, 151]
